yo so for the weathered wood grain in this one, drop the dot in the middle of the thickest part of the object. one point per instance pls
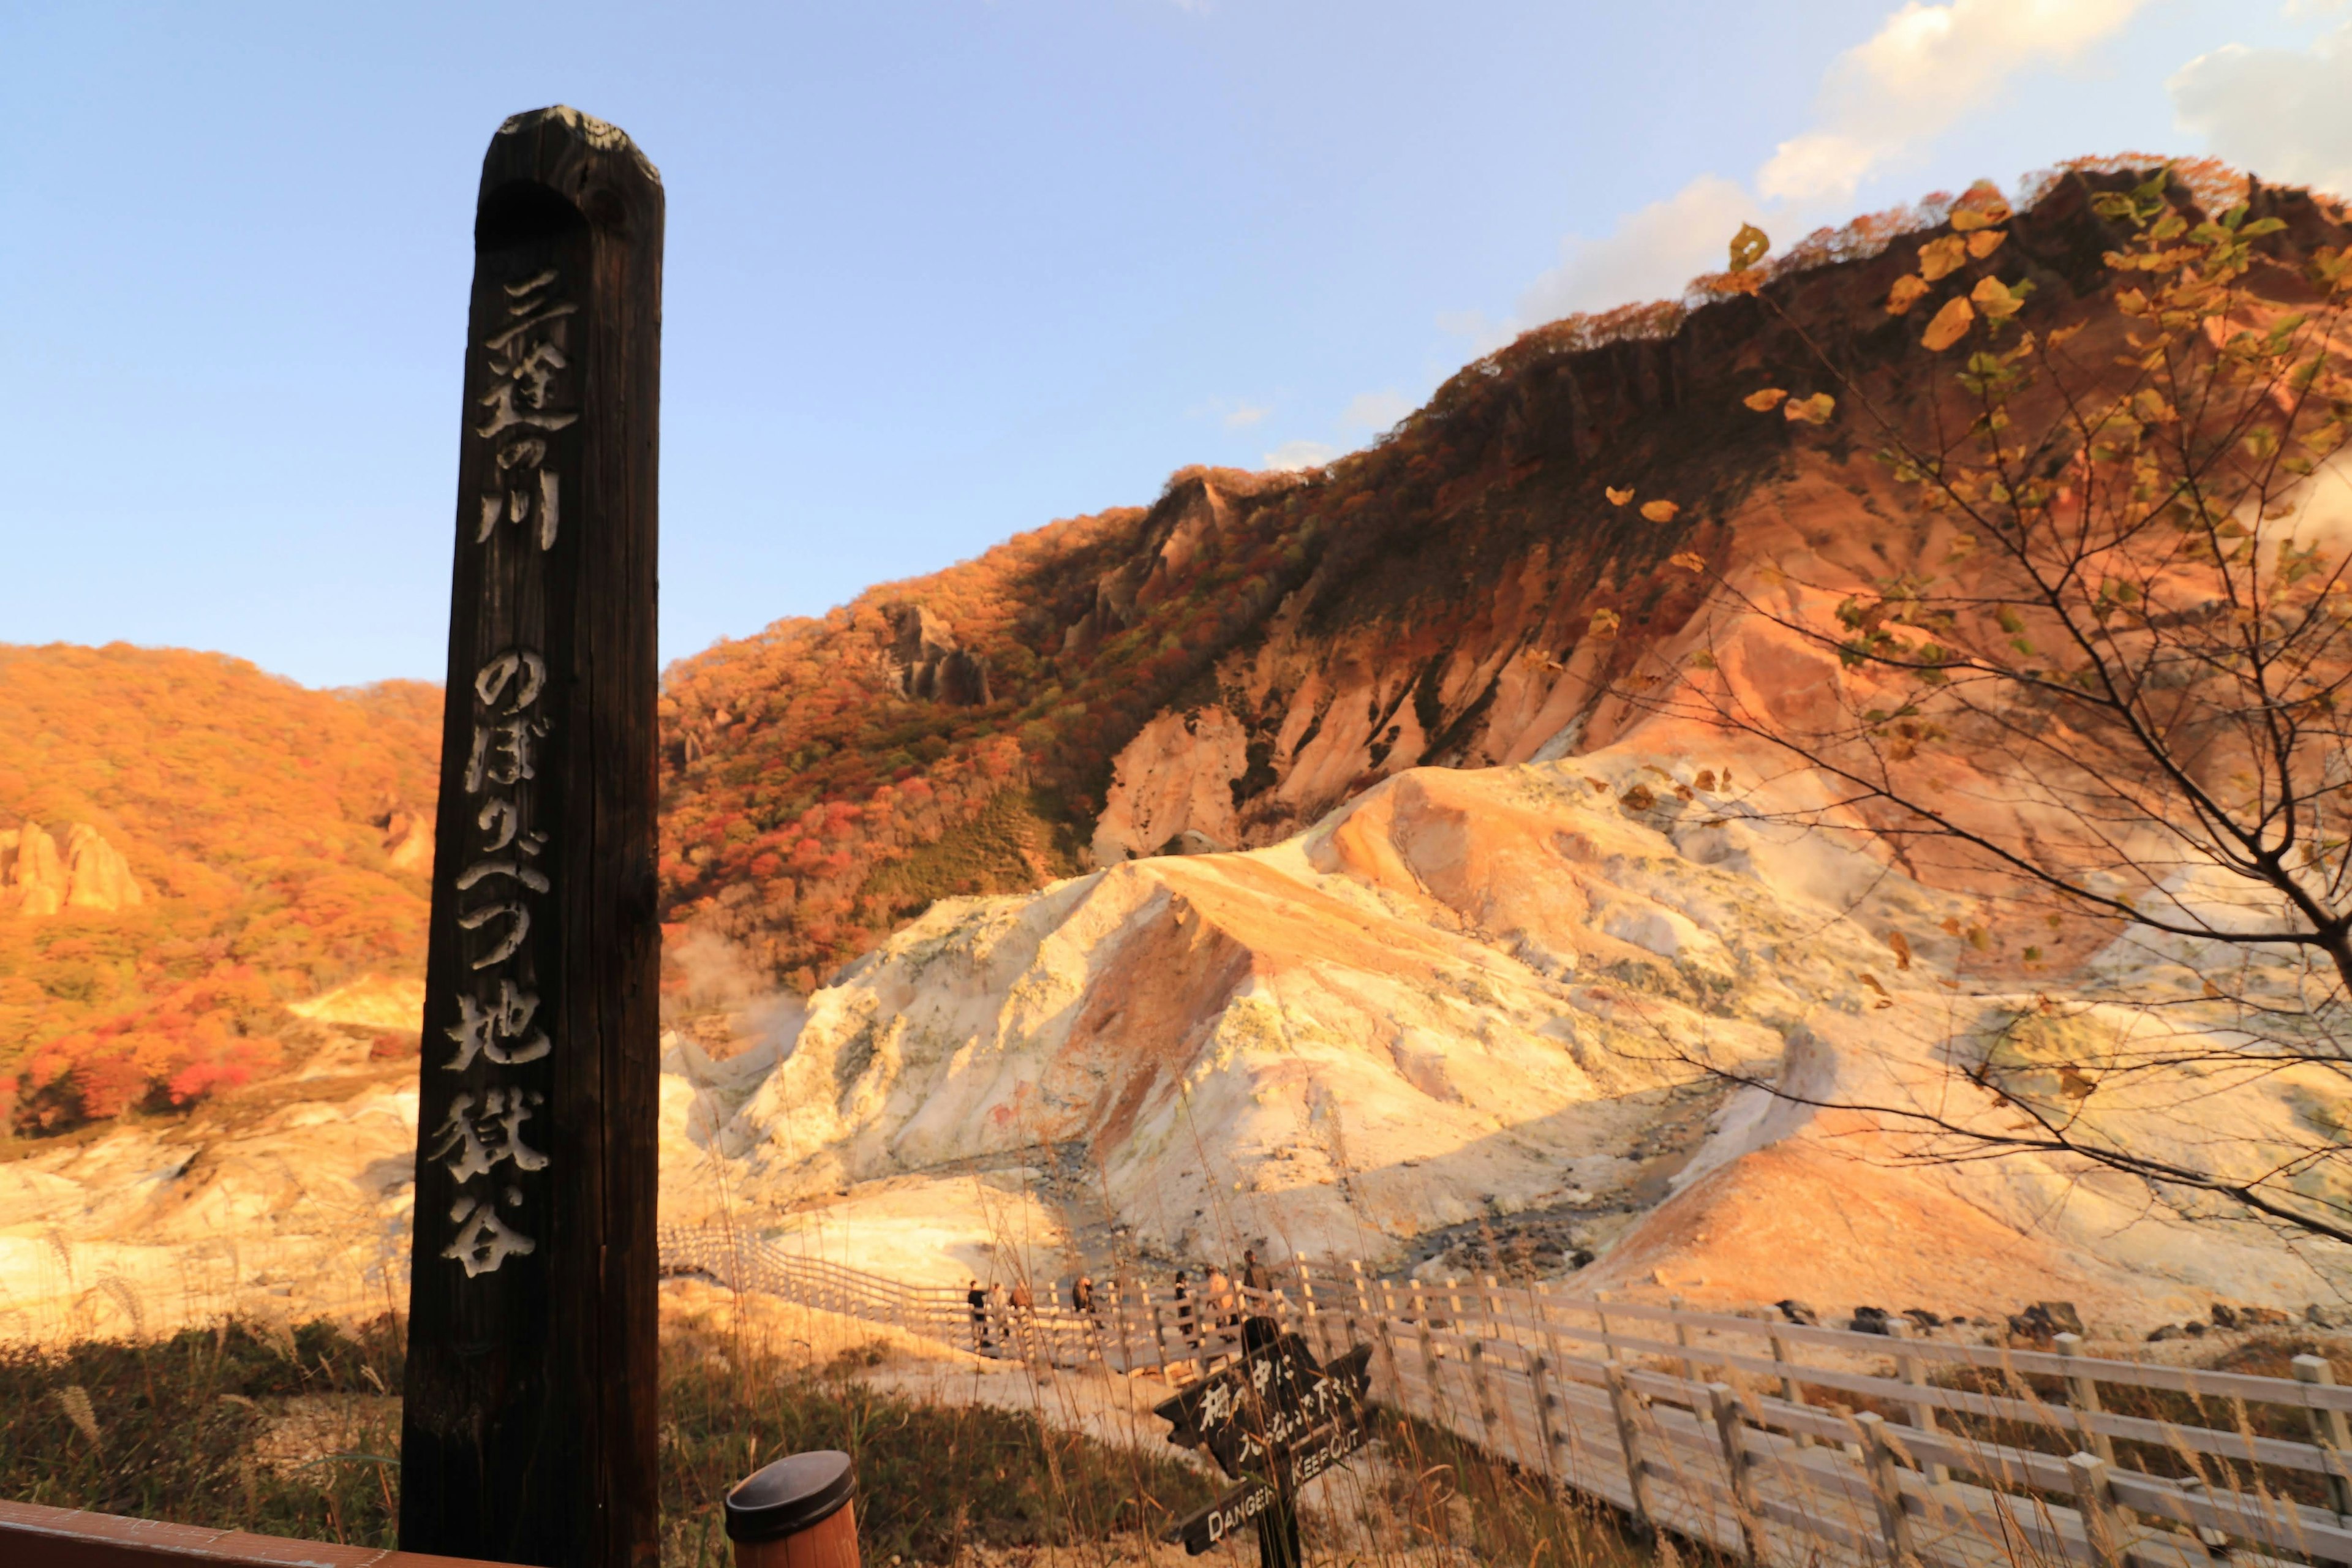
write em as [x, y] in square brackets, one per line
[528, 1432]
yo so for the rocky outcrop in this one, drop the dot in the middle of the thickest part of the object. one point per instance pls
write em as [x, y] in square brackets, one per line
[922, 661]
[35, 878]
[97, 875]
[1174, 789]
[32, 877]
[407, 838]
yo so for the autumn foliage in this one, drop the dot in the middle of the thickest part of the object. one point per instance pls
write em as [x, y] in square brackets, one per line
[824, 780]
[813, 801]
[252, 812]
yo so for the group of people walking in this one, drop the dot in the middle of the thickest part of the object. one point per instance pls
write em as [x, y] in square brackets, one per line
[999, 1314]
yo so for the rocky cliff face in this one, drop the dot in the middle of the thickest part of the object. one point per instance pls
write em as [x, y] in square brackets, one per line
[1227, 666]
[90, 874]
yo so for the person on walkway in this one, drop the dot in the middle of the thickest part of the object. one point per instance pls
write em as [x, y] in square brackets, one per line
[1185, 1312]
[1082, 1304]
[999, 1314]
[1220, 1292]
[977, 1301]
[1255, 1280]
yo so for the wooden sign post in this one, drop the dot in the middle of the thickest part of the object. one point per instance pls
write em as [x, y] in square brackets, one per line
[528, 1425]
[1274, 1420]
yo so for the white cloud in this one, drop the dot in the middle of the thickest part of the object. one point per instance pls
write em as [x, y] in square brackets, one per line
[1926, 69]
[2283, 114]
[1242, 416]
[1923, 71]
[1299, 454]
[1652, 253]
[1375, 411]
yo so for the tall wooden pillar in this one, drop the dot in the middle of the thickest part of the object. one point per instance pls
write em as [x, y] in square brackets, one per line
[530, 1415]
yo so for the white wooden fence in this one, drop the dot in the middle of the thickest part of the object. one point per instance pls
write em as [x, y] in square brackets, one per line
[1755, 1435]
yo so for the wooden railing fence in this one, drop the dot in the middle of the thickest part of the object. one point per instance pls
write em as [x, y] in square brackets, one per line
[1715, 1425]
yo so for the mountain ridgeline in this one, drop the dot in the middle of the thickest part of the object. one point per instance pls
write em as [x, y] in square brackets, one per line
[1219, 669]
[188, 845]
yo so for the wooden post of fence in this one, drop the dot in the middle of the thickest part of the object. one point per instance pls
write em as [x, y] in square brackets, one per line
[1380, 1319]
[2328, 1430]
[1159, 1329]
[1429, 1369]
[1317, 1316]
[1539, 1390]
[2082, 1394]
[1789, 1388]
[1629, 1439]
[1608, 1350]
[2094, 1498]
[1733, 1433]
[1483, 1391]
[1682, 1337]
[527, 1429]
[1886, 1486]
[1923, 1415]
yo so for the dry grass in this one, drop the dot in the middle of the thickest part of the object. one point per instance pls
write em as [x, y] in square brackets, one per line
[297, 1433]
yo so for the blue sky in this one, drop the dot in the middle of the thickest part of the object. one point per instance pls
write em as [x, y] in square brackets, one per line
[935, 273]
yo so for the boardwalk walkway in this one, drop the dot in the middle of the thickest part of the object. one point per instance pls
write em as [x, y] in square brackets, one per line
[1785, 1444]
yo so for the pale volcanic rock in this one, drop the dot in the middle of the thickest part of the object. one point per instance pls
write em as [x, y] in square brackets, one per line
[409, 842]
[1468, 1000]
[294, 1210]
[370, 1002]
[35, 878]
[32, 875]
[1474, 996]
[97, 875]
[1342, 1042]
[1173, 779]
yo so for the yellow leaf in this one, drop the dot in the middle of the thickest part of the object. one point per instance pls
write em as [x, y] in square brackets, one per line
[1747, 247]
[1993, 298]
[1766, 400]
[1907, 292]
[1618, 497]
[1984, 242]
[1659, 511]
[1980, 205]
[1605, 624]
[1813, 410]
[1939, 257]
[1950, 325]
[1688, 562]
[2132, 302]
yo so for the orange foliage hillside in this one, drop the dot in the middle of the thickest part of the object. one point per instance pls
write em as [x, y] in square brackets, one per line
[1459, 595]
[254, 814]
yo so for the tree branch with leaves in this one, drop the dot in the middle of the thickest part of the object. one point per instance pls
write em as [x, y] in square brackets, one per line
[2113, 697]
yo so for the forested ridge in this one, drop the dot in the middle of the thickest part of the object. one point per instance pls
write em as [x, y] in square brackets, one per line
[958, 733]
[254, 813]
